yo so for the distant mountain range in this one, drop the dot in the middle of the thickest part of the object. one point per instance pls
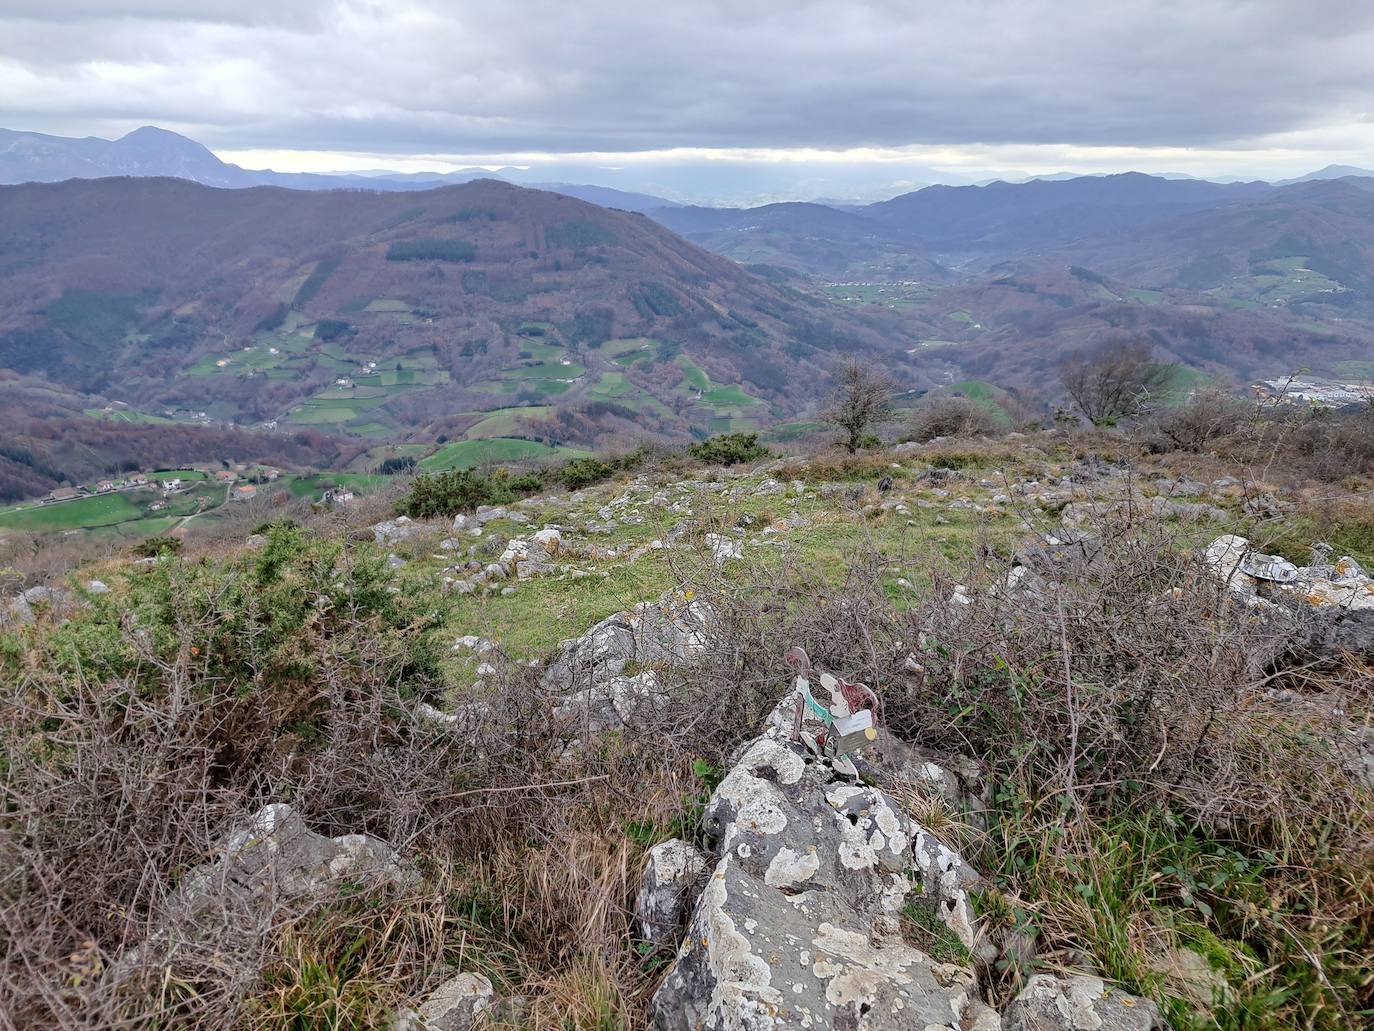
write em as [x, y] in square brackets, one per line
[150, 151]
[29, 157]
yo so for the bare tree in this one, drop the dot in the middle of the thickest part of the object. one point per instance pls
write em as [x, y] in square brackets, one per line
[862, 397]
[1114, 382]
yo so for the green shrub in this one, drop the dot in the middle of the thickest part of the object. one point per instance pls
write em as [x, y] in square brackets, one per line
[152, 547]
[431, 250]
[729, 449]
[447, 494]
[333, 329]
[583, 472]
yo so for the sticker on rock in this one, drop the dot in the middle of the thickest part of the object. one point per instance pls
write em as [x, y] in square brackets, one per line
[845, 710]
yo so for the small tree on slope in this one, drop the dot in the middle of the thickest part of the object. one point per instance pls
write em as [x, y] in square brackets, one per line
[862, 397]
[1115, 381]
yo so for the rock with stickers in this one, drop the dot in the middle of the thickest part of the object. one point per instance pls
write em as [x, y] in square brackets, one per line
[802, 916]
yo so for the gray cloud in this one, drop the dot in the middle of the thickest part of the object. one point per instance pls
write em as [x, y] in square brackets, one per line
[616, 75]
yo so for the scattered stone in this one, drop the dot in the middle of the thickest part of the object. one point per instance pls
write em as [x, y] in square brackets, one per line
[550, 539]
[724, 549]
[1182, 486]
[846, 491]
[1188, 975]
[1263, 506]
[454, 1006]
[473, 643]
[97, 587]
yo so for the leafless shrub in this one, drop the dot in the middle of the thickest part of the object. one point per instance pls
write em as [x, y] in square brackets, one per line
[1206, 417]
[952, 417]
[1114, 382]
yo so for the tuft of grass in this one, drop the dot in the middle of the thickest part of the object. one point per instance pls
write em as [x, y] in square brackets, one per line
[923, 928]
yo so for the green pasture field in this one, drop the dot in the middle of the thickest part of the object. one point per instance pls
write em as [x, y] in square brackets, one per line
[468, 454]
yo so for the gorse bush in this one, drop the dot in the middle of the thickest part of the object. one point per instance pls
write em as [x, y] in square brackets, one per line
[462, 490]
[729, 449]
[136, 731]
[446, 494]
[583, 472]
[152, 547]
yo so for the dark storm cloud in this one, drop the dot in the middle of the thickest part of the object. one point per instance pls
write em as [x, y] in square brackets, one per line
[614, 75]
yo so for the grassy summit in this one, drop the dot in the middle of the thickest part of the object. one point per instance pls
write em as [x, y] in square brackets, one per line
[139, 723]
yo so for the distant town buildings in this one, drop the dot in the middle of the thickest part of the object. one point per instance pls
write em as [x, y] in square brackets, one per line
[1334, 395]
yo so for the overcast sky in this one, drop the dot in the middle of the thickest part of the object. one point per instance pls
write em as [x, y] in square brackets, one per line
[1264, 87]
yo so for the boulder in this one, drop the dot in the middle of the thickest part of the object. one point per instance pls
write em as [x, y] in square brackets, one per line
[799, 923]
[1078, 1003]
[1188, 511]
[275, 853]
[1336, 600]
[270, 863]
[674, 631]
[672, 869]
[22, 607]
[611, 703]
[393, 531]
